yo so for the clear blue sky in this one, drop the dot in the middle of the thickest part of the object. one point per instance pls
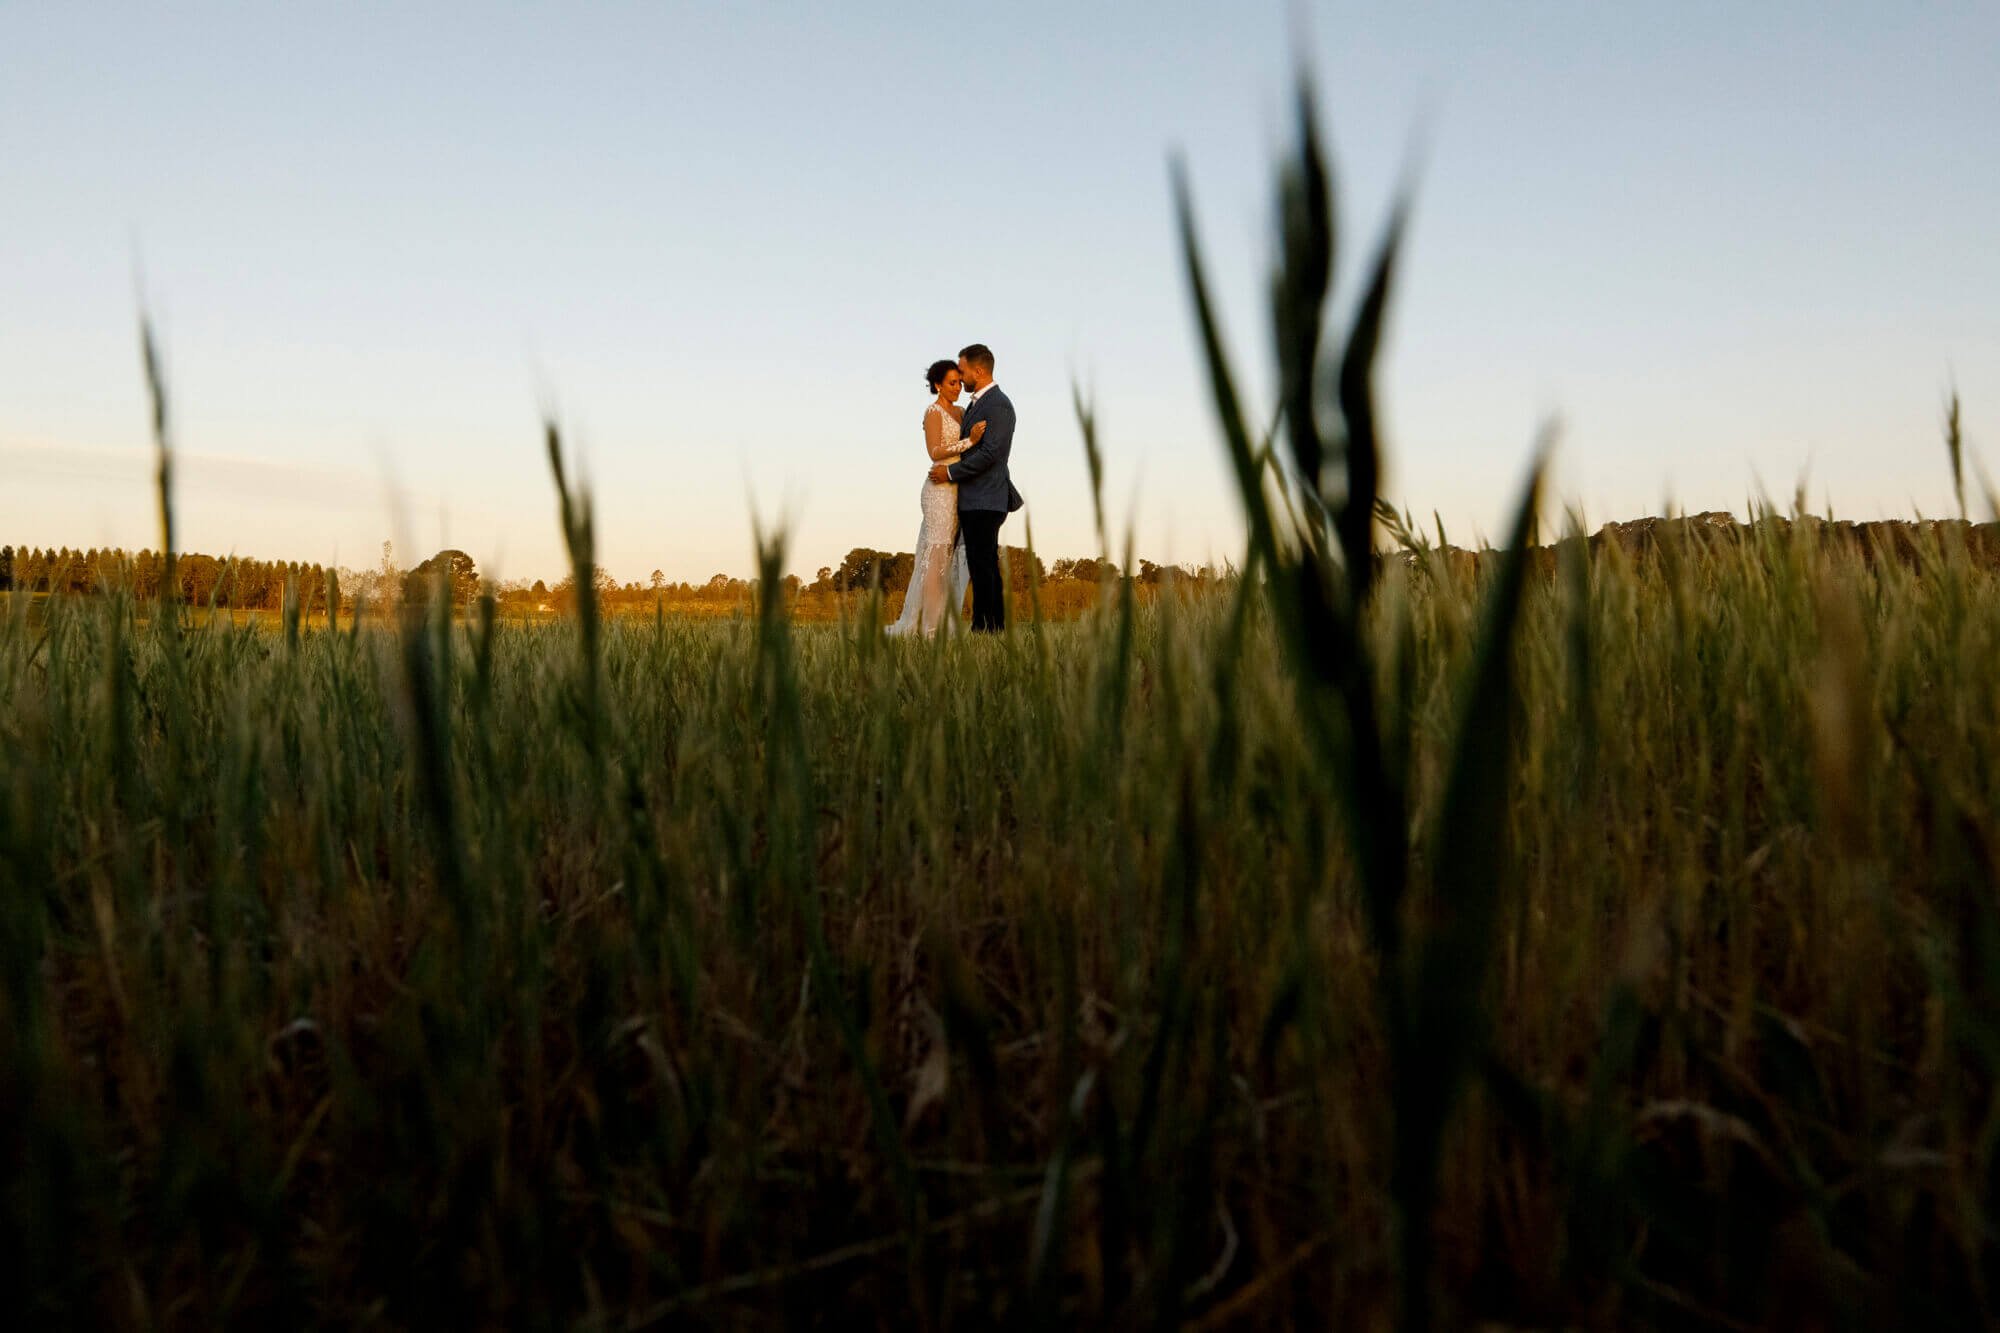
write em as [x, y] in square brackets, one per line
[1724, 243]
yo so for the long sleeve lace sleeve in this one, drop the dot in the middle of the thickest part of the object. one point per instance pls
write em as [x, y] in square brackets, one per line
[934, 441]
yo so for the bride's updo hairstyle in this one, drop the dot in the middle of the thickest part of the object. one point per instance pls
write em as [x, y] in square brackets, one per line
[939, 369]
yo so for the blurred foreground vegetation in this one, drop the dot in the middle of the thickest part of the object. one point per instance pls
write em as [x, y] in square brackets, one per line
[769, 975]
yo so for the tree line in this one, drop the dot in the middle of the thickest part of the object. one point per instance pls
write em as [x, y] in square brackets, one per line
[231, 581]
[249, 584]
[863, 568]
[236, 582]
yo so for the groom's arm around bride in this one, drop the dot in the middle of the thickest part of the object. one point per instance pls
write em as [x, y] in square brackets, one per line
[993, 449]
[982, 472]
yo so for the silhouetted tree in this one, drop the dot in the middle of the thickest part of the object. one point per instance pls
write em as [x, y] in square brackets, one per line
[864, 567]
[898, 571]
[146, 575]
[564, 593]
[1017, 561]
[458, 570]
[198, 576]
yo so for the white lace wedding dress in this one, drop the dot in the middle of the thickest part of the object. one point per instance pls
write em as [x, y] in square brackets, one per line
[937, 584]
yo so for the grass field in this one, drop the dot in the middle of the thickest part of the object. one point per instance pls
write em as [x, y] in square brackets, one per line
[1410, 942]
[757, 973]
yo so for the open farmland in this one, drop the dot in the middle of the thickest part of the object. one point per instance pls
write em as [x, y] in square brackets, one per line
[690, 972]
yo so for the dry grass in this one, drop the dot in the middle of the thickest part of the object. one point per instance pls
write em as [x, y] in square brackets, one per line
[285, 1033]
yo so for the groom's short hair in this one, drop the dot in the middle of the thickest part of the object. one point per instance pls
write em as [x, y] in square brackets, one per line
[979, 354]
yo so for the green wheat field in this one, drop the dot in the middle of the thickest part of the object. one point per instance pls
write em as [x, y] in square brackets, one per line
[1575, 935]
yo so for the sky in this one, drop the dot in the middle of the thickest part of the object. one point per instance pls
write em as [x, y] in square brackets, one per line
[1728, 249]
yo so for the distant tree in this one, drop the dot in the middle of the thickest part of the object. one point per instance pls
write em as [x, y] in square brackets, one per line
[897, 572]
[6, 569]
[113, 569]
[513, 593]
[659, 581]
[146, 575]
[1017, 562]
[722, 589]
[564, 593]
[225, 583]
[460, 574]
[862, 568]
[388, 580]
[356, 591]
[256, 585]
[1084, 569]
[198, 576]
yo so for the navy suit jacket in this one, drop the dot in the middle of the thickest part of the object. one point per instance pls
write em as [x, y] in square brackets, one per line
[981, 471]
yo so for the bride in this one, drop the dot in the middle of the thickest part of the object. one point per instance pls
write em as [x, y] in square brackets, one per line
[937, 583]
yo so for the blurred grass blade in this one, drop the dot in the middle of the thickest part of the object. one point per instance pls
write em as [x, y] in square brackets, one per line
[1222, 381]
[1093, 461]
[1954, 444]
[1446, 1030]
[1299, 290]
[1362, 450]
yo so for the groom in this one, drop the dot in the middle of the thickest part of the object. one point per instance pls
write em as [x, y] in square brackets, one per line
[985, 495]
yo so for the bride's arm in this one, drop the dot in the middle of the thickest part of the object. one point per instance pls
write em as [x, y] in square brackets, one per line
[934, 444]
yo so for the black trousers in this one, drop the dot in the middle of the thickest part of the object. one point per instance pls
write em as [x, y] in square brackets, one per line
[980, 530]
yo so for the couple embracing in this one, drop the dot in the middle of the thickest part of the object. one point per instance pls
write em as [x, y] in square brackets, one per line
[966, 497]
